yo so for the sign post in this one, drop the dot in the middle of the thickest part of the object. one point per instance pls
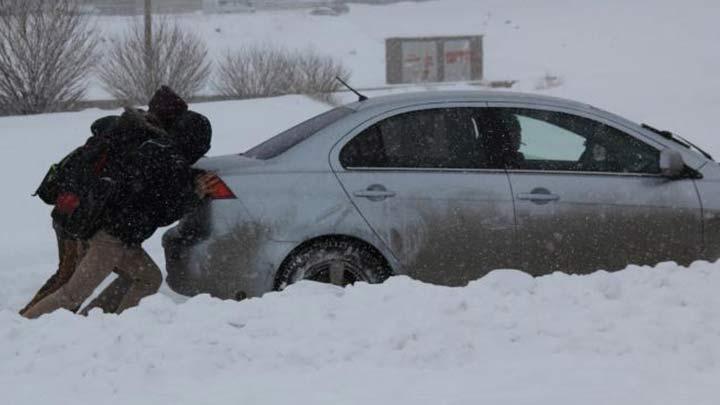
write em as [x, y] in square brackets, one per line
[148, 37]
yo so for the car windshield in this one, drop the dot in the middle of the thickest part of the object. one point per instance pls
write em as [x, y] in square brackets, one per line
[285, 140]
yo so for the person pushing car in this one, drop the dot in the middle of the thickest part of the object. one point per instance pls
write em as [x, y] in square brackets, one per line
[144, 182]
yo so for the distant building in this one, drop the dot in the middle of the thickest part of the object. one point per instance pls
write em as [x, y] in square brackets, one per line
[229, 6]
[243, 6]
[135, 7]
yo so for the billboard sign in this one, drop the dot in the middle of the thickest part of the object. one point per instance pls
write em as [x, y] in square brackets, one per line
[419, 61]
[436, 59]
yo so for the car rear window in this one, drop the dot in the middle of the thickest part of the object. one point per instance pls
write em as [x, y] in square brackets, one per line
[282, 142]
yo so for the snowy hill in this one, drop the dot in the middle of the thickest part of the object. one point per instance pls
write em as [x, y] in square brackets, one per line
[639, 336]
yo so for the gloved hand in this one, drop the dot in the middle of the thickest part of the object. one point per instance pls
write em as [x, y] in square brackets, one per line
[67, 203]
[206, 184]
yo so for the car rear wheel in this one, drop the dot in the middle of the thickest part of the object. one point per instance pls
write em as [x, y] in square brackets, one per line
[338, 261]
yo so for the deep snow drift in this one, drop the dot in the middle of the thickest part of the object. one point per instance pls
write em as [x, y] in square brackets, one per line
[639, 336]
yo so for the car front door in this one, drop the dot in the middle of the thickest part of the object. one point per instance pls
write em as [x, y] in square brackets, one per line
[590, 196]
[422, 183]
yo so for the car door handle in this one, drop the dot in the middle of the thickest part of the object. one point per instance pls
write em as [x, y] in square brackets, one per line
[375, 192]
[539, 196]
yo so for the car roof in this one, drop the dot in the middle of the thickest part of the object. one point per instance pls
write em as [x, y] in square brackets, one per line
[410, 98]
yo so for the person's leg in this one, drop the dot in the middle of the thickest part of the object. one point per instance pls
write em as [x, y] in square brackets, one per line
[109, 299]
[103, 254]
[145, 276]
[70, 252]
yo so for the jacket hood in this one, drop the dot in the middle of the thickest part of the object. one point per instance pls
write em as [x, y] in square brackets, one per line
[167, 106]
[192, 134]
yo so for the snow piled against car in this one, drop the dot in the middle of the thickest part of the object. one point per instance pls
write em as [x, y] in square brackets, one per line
[641, 335]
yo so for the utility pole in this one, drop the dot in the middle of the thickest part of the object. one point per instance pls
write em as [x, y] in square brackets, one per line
[148, 41]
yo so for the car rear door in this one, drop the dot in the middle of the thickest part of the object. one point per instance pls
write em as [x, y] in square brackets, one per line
[589, 195]
[423, 185]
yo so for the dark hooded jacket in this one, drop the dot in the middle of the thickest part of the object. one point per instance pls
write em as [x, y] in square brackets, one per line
[157, 183]
[114, 136]
[89, 174]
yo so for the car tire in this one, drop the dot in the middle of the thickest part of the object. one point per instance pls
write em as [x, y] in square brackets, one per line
[339, 261]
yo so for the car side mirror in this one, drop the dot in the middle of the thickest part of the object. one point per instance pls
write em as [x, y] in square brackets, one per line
[672, 164]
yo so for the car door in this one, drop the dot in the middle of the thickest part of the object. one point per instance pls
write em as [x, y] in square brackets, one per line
[422, 184]
[590, 196]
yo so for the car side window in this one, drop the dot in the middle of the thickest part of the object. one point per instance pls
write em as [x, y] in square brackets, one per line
[544, 141]
[531, 139]
[427, 139]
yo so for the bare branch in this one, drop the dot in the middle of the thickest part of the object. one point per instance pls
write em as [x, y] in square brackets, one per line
[47, 48]
[266, 70]
[179, 59]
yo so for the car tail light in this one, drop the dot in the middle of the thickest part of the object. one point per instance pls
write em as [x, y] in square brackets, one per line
[220, 190]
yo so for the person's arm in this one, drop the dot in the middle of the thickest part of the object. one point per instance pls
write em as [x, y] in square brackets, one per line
[193, 187]
[162, 173]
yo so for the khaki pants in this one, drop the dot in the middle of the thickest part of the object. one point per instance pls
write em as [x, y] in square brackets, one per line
[139, 278]
[70, 252]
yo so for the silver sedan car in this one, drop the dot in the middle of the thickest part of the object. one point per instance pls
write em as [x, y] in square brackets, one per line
[445, 187]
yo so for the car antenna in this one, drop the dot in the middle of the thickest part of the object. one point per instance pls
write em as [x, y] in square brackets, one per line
[360, 96]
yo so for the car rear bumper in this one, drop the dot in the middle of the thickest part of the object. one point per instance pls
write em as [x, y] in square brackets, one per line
[184, 264]
[236, 265]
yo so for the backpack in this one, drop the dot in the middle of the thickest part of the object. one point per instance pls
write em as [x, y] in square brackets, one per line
[86, 219]
[49, 188]
[94, 172]
[79, 173]
[51, 185]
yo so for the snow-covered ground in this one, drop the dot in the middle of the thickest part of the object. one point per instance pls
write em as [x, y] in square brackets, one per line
[642, 335]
